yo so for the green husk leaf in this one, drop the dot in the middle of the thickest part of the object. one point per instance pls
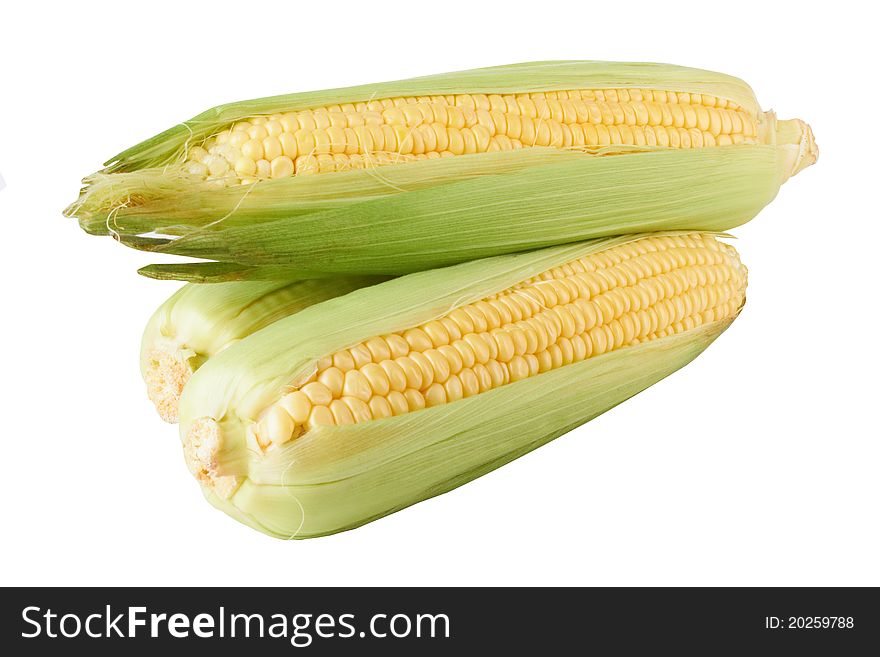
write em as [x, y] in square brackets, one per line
[559, 197]
[219, 272]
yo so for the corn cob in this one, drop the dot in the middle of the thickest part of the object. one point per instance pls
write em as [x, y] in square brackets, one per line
[470, 164]
[199, 321]
[362, 405]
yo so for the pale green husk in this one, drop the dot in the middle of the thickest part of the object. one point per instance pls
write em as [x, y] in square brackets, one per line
[199, 321]
[336, 478]
[408, 217]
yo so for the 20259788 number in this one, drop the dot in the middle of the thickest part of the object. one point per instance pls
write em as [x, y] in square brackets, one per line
[809, 622]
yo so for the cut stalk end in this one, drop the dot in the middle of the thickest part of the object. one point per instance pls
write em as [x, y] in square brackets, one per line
[800, 149]
[168, 368]
[202, 444]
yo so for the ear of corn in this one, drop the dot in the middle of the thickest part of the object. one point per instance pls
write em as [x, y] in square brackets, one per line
[483, 162]
[199, 321]
[365, 404]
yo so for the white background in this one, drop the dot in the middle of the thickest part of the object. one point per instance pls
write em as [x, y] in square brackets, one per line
[755, 465]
